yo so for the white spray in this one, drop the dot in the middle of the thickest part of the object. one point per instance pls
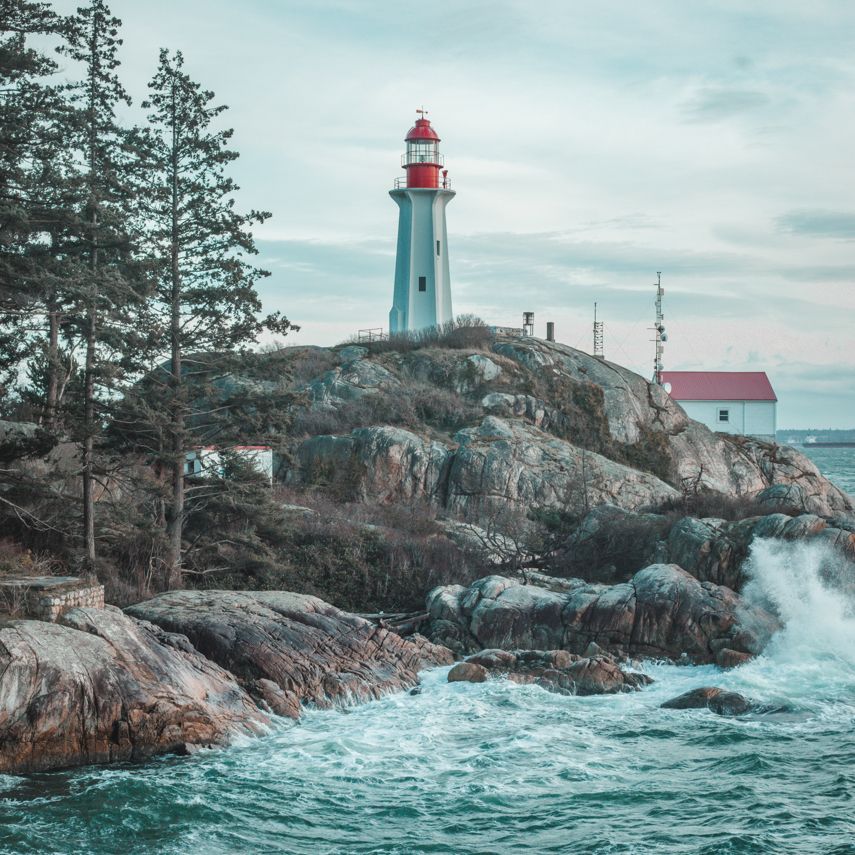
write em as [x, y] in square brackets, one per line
[809, 585]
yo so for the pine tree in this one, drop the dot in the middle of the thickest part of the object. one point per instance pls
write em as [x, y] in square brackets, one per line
[100, 257]
[35, 196]
[206, 301]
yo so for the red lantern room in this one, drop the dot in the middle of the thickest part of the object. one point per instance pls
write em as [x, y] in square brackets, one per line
[422, 159]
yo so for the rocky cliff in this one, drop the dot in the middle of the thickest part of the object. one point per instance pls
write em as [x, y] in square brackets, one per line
[524, 423]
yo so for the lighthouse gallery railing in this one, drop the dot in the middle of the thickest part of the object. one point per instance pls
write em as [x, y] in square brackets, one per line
[401, 184]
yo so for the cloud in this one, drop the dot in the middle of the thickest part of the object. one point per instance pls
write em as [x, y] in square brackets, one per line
[713, 104]
[583, 158]
[839, 225]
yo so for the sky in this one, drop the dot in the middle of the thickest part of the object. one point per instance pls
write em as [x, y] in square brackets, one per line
[590, 144]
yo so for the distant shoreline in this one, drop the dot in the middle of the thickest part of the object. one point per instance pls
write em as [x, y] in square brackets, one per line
[828, 445]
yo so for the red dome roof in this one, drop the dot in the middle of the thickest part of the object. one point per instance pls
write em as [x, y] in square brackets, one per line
[421, 131]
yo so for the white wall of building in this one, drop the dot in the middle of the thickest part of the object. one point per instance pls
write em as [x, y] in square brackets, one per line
[208, 461]
[743, 418]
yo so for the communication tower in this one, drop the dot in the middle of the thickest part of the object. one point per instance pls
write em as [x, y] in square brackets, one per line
[598, 336]
[660, 336]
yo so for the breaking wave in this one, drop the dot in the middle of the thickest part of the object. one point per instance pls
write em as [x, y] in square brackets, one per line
[810, 586]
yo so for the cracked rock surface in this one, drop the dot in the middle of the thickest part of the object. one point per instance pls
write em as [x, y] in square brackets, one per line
[293, 649]
[101, 687]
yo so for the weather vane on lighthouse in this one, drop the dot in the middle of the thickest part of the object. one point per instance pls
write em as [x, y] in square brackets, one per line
[422, 296]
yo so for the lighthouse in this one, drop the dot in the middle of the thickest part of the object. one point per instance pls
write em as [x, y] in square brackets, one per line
[422, 296]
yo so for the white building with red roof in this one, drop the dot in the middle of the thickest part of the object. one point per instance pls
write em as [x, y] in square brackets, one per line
[737, 402]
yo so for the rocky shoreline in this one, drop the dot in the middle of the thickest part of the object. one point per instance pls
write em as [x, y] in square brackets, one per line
[195, 668]
[524, 426]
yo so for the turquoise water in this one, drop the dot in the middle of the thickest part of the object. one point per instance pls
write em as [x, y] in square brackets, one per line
[500, 768]
[838, 464]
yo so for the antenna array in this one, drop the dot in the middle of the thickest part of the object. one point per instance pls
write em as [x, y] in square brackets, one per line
[660, 336]
[598, 336]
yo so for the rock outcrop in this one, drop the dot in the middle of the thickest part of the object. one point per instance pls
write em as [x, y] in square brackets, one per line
[661, 612]
[101, 687]
[610, 544]
[716, 551]
[24, 439]
[293, 649]
[554, 670]
[498, 465]
[712, 698]
[537, 414]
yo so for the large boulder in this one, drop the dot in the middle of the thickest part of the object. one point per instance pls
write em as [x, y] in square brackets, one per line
[293, 649]
[661, 612]
[630, 403]
[353, 379]
[503, 463]
[102, 687]
[376, 464]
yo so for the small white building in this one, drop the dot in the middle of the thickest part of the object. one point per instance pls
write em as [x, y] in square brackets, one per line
[737, 402]
[207, 460]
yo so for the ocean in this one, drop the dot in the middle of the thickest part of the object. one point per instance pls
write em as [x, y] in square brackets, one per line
[500, 768]
[838, 464]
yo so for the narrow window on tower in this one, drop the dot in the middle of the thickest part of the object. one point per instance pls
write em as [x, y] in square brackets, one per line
[422, 283]
[437, 247]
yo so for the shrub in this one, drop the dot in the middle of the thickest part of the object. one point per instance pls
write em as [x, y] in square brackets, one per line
[466, 332]
[709, 503]
[359, 558]
[411, 406]
[309, 363]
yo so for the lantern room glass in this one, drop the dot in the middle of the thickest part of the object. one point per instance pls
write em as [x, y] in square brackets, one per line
[422, 151]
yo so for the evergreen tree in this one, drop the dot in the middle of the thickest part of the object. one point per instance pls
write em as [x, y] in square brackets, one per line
[206, 299]
[36, 197]
[99, 256]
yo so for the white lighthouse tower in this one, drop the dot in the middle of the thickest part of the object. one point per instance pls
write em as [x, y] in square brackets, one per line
[422, 295]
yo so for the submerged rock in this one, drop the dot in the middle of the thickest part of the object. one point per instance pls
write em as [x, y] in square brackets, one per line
[294, 649]
[710, 697]
[661, 612]
[554, 670]
[101, 687]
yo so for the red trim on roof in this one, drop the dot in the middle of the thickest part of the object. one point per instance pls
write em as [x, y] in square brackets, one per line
[719, 385]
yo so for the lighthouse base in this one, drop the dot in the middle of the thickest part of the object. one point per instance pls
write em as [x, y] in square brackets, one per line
[422, 296]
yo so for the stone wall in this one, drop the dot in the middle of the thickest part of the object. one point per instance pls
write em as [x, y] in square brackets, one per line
[48, 597]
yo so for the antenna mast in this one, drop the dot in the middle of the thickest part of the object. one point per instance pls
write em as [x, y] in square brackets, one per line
[598, 336]
[660, 336]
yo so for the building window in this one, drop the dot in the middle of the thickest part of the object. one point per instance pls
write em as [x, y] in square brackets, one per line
[422, 283]
[724, 415]
[437, 247]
